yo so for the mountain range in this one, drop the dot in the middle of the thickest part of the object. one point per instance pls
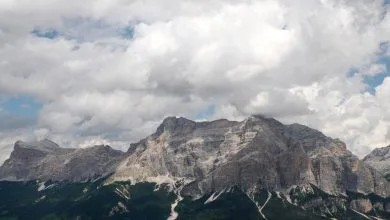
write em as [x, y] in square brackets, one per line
[258, 168]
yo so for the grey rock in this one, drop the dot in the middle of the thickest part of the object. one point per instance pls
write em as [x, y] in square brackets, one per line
[45, 160]
[316, 201]
[379, 158]
[257, 152]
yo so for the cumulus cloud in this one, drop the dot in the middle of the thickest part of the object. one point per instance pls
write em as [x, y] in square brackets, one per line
[375, 69]
[286, 59]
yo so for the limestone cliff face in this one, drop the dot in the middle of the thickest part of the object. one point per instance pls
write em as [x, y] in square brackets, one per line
[379, 159]
[257, 152]
[45, 160]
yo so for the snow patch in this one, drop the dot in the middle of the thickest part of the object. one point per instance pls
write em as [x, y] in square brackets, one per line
[123, 192]
[265, 203]
[66, 161]
[251, 196]
[196, 140]
[177, 191]
[174, 214]
[361, 192]
[343, 194]
[361, 214]
[288, 198]
[159, 180]
[119, 208]
[124, 208]
[40, 199]
[43, 187]
[214, 197]
[278, 195]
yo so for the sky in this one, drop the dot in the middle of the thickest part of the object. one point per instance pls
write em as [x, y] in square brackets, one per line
[109, 71]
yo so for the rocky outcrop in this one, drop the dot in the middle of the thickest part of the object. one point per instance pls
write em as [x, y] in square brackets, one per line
[379, 158]
[257, 152]
[45, 160]
[205, 157]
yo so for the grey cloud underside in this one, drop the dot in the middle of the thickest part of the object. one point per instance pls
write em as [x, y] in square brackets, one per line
[235, 55]
[208, 156]
[11, 122]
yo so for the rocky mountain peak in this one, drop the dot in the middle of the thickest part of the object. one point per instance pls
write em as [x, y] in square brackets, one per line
[380, 159]
[176, 126]
[182, 126]
[382, 153]
[28, 152]
[46, 160]
[100, 150]
[44, 145]
[259, 150]
[265, 119]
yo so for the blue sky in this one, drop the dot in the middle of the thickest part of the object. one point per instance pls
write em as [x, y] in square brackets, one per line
[27, 106]
[101, 27]
[24, 106]
[374, 81]
[113, 68]
[383, 58]
[206, 113]
[84, 29]
[18, 113]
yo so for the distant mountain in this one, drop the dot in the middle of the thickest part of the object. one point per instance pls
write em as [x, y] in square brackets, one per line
[379, 158]
[45, 160]
[257, 152]
[211, 169]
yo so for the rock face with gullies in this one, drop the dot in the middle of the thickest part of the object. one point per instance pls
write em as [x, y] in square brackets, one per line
[202, 158]
[379, 158]
[258, 152]
[45, 160]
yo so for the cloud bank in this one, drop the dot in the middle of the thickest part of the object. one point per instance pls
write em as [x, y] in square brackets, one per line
[110, 71]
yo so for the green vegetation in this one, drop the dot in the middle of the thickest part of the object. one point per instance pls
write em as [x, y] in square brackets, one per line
[84, 201]
[144, 201]
[278, 208]
[232, 205]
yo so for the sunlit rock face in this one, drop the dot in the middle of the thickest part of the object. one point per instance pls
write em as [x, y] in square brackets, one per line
[204, 157]
[257, 152]
[379, 159]
[261, 158]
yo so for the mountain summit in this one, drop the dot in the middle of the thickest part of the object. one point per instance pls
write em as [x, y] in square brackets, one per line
[196, 159]
[45, 160]
[380, 159]
[257, 152]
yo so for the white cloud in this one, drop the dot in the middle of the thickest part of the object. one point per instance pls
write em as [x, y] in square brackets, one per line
[287, 59]
[375, 69]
